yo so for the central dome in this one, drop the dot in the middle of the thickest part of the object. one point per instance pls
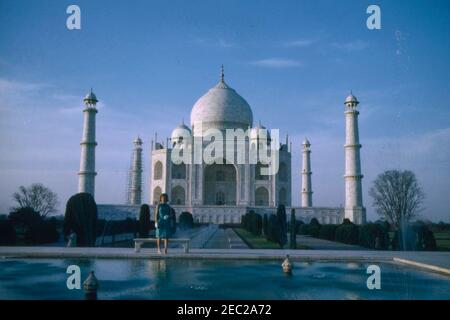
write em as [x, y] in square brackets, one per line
[221, 108]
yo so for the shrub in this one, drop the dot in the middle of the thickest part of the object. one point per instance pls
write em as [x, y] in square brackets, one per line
[253, 223]
[328, 232]
[186, 221]
[347, 233]
[374, 236]
[7, 233]
[41, 233]
[303, 229]
[81, 217]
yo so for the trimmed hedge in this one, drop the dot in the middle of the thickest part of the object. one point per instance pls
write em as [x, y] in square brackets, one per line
[81, 217]
[41, 233]
[328, 232]
[417, 236]
[347, 233]
[253, 223]
[374, 236]
[312, 229]
[186, 220]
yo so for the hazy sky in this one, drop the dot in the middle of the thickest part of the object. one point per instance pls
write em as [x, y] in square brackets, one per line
[293, 61]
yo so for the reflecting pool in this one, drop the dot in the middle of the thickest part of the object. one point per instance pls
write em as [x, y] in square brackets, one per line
[215, 279]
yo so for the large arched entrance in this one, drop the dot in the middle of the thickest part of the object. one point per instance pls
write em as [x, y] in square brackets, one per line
[261, 197]
[178, 196]
[219, 185]
[156, 194]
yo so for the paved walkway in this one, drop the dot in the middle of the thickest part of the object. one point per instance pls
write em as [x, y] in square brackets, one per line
[225, 239]
[320, 244]
[430, 261]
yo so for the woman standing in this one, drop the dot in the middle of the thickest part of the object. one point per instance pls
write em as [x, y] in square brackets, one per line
[163, 222]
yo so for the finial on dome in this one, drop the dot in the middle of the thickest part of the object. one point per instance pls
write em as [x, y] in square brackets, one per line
[351, 100]
[222, 75]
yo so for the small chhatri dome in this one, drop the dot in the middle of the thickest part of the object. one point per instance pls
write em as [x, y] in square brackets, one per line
[351, 99]
[259, 131]
[260, 126]
[222, 108]
[181, 130]
[138, 141]
[306, 142]
[90, 98]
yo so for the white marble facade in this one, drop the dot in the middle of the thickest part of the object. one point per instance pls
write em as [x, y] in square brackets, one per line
[218, 185]
[222, 193]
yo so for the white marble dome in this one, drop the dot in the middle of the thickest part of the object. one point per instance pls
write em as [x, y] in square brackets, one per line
[351, 99]
[222, 108]
[181, 131]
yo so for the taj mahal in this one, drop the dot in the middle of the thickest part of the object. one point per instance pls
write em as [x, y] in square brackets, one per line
[221, 191]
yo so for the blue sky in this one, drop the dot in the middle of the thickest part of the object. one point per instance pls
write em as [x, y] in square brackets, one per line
[293, 61]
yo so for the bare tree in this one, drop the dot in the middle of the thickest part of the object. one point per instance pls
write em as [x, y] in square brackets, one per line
[38, 197]
[397, 196]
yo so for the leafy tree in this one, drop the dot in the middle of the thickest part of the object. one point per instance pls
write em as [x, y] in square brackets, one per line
[397, 196]
[144, 221]
[81, 218]
[38, 197]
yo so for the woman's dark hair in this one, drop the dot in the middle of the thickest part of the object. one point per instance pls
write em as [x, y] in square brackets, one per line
[165, 196]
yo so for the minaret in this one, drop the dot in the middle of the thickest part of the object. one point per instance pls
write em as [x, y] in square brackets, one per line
[86, 175]
[306, 174]
[136, 174]
[354, 209]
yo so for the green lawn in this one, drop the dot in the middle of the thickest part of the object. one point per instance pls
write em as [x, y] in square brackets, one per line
[260, 242]
[442, 239]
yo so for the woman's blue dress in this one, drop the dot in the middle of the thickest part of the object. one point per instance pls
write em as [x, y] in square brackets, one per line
[164, 229]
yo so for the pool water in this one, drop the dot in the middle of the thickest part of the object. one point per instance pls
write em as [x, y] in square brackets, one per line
[215, 279]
